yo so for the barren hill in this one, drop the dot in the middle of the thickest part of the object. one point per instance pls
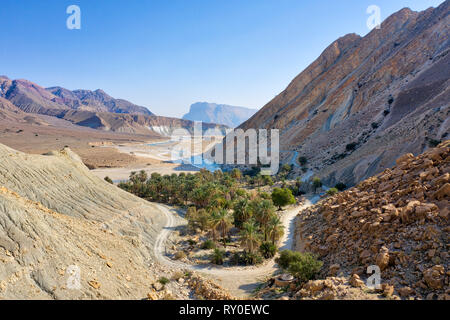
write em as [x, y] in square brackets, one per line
[55, 214]
[367, 100]
[397, 220]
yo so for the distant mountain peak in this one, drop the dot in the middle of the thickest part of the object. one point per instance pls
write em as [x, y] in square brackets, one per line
[231, 116]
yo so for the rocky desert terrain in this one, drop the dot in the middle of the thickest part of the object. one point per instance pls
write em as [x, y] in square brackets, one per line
[397, 220]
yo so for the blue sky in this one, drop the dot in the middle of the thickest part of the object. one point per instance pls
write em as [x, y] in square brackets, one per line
[168, 54]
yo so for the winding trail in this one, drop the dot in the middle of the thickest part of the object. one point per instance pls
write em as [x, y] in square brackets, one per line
[240, 281]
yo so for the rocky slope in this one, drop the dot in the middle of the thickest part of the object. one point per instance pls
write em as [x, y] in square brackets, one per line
[9, 112]
[219, 113]
[397, 220]
[367, 100]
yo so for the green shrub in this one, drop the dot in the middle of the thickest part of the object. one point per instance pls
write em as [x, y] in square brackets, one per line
[282, 197]
[351, 146]
[179, 255]
[303, 161]
[340, 186]
[163, 281]
[208, 244]
[332, 191]
[302, 266]
[268, 250]
[305, 268]
[108, 179]
[248, 258]
[218, 256]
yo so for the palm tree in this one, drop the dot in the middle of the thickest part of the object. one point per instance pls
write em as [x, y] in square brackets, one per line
[250, 237]
[264, 211]
[275, 229]
[221, 220]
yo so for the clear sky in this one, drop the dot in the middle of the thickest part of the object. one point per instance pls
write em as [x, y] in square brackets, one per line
[168, 54]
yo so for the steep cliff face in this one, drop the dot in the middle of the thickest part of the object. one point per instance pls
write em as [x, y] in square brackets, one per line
[367, 100]
[230, 116]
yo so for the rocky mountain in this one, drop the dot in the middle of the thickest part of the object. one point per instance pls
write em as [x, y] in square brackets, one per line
[9, 112]
[397, 220]
[32, 98]
[219, 113]
[97, 101]
[93, 109]
[132, 123]
[367, 100]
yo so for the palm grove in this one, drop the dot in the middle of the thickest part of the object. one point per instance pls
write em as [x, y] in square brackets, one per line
[218, 202]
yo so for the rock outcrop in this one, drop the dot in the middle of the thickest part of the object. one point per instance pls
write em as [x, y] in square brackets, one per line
[367, 100]
[397, 220]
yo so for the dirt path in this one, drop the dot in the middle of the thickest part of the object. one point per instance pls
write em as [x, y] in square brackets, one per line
[240, 281]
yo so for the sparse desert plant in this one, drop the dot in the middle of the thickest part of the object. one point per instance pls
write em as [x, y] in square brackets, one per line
[340, 186]
[316, 183]
[218, 256]
[108, 179]
[268, 250]
[163, 281]
[208, 244]
[248, 258]
[303, 266]
[332, 191]
[306, 267]
[179, 255]
[303, 161]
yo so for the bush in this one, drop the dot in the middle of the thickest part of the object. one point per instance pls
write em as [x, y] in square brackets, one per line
[306, 268]
[108, 179]
[303, 266]
[163, 281]
[285, 259]
[208, 244]
[217, 256]
[351, 146]
[375, 125]
[303, 161]
[179, 255]
[268, 250]
[332, 191]
[248, 258]
[340, 186]
[282, 197]
[317, 183]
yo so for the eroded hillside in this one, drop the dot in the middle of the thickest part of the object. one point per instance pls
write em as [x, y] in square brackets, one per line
[367, 100]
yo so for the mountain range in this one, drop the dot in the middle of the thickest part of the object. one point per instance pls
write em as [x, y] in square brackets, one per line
[23, 101]
[230, 116]
[367, 100]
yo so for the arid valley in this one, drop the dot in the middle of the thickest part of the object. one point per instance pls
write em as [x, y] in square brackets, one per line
[100, 198]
